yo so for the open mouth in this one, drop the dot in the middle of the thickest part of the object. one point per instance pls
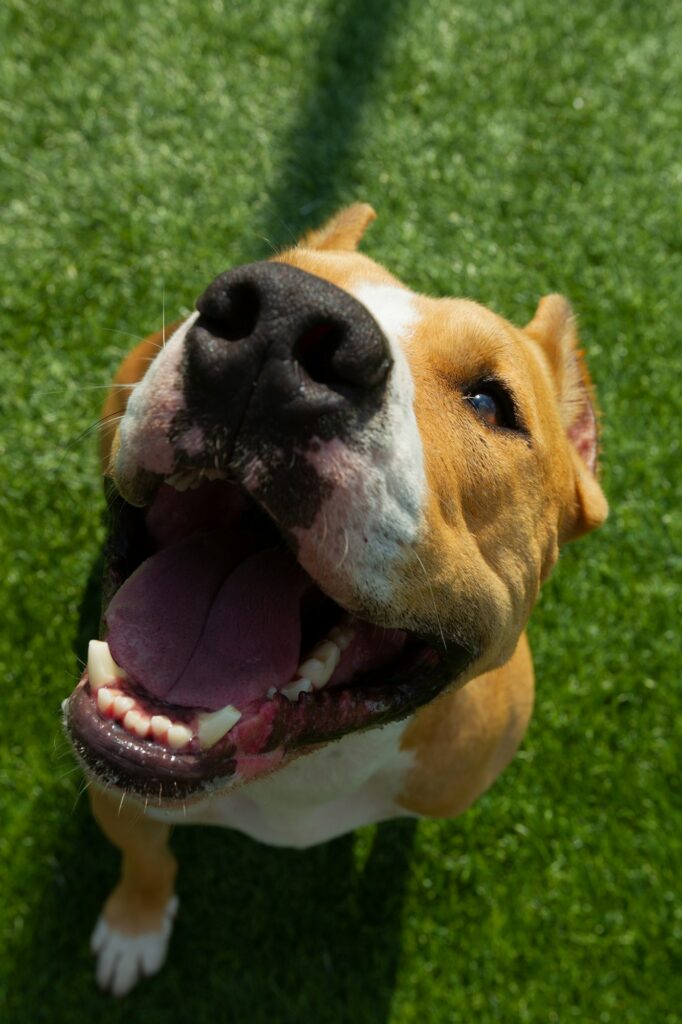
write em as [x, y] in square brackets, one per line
[223, 658]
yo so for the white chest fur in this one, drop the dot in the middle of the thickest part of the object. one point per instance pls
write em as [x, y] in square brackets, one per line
[346, 784]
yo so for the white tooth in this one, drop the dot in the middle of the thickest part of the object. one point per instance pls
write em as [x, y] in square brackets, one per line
[292, 691]
[122, 705]
[329, 654]
[342, 636]
[271, 692]
[160, 726]
[102, 669]
[137, 722]
[315, 671]
[213, 725]
[180, 480]
[179, 736]
[105, 699]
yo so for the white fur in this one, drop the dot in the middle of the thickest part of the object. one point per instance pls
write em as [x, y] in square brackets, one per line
[122, 960]
[392, 307]
[374, 512]
[153, 404]
[346, 784]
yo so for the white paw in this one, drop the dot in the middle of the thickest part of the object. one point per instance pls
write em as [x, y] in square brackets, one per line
[123, 959]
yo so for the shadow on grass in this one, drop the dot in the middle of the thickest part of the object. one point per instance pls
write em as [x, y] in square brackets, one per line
[317, 175]
[262, 935]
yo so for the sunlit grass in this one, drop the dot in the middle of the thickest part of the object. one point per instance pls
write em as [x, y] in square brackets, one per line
[510, 150]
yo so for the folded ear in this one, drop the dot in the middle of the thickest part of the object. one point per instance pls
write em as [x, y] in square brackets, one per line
[553, 328]
[343, 231]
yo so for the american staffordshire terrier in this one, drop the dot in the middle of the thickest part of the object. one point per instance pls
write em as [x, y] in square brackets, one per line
[333, 503]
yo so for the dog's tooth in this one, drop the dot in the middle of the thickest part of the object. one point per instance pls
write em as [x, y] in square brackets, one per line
[271, 692]
[213, 725]
[179, 736]
[341, 636]
[314, 670]
[122, 705]
[102, 669]
[298, 686]
[181, 480]
[137, 722]
[329, 654]
[160, 725]
[105, 699]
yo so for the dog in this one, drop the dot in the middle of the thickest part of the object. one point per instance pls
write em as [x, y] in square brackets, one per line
[333, 503]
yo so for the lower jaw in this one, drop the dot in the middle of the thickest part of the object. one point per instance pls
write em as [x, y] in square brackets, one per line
[270, 733]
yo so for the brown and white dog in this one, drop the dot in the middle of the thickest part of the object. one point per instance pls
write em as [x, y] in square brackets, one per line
[334, 503]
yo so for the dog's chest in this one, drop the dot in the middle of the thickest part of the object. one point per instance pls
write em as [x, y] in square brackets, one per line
[346, 784]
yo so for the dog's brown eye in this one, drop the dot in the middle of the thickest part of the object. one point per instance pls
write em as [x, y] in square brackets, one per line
[486, 408]
[493, 404]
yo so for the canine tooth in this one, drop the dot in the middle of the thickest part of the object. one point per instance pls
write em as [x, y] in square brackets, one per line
[102, 669]
[137, 722]
[122, 705]
[179, 736]
[270, 693]
[105, 699]
[160, 725]
[341, 636]
[213, 725]
[292, 691]
[182, 480]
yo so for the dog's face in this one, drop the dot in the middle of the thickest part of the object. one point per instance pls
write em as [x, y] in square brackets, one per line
[337, 497]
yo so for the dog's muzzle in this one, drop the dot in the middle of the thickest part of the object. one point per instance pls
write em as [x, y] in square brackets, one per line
[280, 355]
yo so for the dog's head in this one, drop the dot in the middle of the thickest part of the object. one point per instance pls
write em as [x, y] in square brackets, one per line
[336, 497]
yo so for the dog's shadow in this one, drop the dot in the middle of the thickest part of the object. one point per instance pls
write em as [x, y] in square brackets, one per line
[262, 934]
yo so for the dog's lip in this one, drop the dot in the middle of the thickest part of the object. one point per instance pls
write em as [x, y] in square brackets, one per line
[270, 733]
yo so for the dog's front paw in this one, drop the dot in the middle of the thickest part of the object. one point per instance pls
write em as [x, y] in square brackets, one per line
[122, 960]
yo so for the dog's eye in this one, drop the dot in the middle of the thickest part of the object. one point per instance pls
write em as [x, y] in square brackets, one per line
[493, 404]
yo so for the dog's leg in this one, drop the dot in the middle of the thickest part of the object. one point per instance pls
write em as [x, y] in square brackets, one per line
[131, 936]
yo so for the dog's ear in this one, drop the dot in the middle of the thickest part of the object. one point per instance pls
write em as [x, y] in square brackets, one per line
[343, 231]
[553, 328]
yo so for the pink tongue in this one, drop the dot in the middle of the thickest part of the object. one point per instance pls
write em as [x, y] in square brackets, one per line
[210, 621]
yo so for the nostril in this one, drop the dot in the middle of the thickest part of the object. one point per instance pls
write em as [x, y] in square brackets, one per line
[315, 349]
[233, 315]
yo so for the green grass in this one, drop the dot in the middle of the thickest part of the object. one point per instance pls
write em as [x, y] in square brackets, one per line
[511, 149]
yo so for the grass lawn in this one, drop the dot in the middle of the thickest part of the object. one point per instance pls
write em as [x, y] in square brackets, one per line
[510, 149]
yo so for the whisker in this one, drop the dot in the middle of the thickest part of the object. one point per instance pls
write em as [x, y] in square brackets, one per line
[84, 387]
[103, 421]
[86, 785]
[433, 598]
[126, 334]
[345, 550]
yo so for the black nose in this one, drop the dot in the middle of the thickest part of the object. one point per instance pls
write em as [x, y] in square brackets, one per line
[275, 343]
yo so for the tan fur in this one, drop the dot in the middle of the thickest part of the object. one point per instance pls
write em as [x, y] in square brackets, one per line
[137, 904]
[343, 231]
[473, 544]
[463, 740]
